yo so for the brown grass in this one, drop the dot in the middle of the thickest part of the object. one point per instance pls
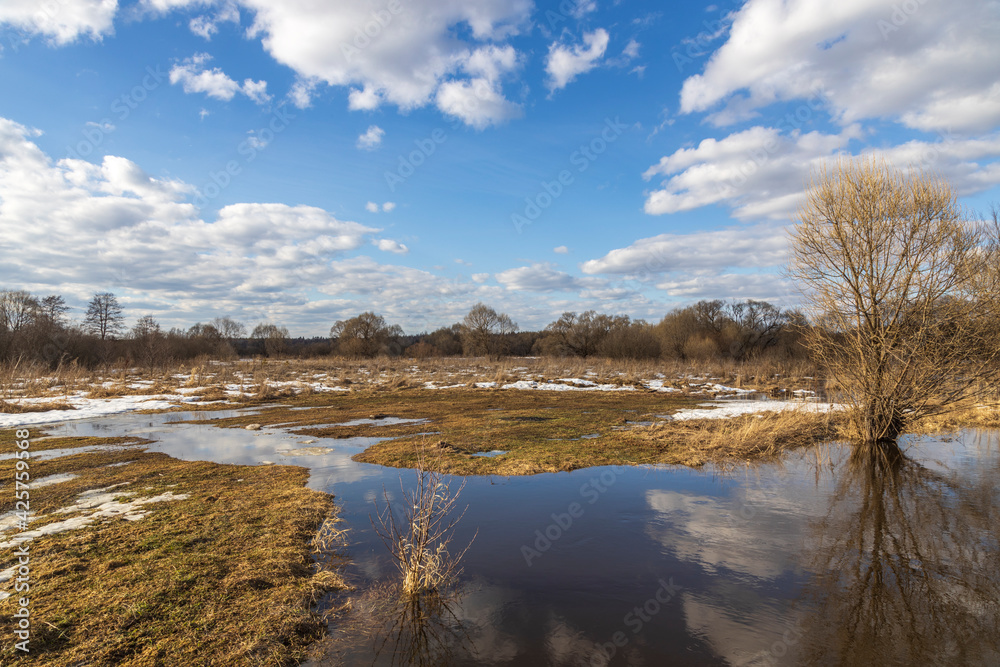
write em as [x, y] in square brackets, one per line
[966, 416]
[419, 540]
[224, 577]
[21, 408]
[753, 437]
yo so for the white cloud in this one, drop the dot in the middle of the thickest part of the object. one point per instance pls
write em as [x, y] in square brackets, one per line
[704, 252]
[403, 59]
[479, 101]
[388, 245]
[565, 63]
[301, 93]
[763, 286]
[543, 277]
[363, 99]
[561, 250]
[762, 173]
[480, 277]
[206, 26]
[63, 22]
[203, 26]
[386, 207]
[256, 91]
[868, 59]
[194, 77]
[371, 138]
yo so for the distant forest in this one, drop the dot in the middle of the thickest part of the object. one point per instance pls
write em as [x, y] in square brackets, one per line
[36, 329]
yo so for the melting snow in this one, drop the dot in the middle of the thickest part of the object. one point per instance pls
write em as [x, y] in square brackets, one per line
[97, 504]
[727, 409]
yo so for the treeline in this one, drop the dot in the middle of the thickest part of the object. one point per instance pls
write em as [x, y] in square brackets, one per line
[37, 329]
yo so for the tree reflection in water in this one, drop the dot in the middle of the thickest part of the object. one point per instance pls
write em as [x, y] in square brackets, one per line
[421, 630]
[907, 571]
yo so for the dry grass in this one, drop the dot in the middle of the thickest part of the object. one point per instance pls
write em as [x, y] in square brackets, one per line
[224, 577]
[751, 437]
[965, 416]
[419, 538]
[20, 408]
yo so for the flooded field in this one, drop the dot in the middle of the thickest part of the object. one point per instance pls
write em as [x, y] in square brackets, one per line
[818, 559]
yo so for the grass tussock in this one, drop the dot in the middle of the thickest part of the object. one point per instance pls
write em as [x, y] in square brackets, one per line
[419, 537]
[223, 577]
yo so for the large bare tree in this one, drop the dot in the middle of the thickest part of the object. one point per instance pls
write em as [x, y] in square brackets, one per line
[104, 316]
[904, 286]
[365, 335]
[485, 332]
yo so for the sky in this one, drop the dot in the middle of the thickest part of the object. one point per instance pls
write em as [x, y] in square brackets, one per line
[300, 162]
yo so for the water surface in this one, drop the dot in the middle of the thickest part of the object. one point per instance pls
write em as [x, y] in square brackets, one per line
[818, 560]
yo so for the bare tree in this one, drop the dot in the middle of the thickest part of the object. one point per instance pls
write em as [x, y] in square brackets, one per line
[148, 341]
[485, 332]
[366, 335]
[104, 316]
[907, 291]
[18, 309]
[54, 308]
[231, 331]
[272, 338]
[582, 334]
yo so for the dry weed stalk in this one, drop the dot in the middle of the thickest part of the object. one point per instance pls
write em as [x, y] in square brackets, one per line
[418, 539]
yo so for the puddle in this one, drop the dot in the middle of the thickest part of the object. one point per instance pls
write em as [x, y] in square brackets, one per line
[681, 566]
[490, 454]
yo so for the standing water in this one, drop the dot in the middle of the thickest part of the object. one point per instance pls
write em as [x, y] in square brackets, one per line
[818, 560]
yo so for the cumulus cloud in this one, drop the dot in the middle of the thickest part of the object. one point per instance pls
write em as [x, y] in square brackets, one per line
[408, 58]
[543, 277]
[868, 59]
[61, 23]
[388, 245]
[301, 93]
[194, 77]
[479, 101]
[205, 26]
[564, 63]
[561, 250]
[147, 228]
[371, 138]
[386, 207]
[708, 251]
[761, 172]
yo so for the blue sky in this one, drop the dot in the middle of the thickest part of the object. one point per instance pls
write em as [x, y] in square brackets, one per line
[272, 160]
